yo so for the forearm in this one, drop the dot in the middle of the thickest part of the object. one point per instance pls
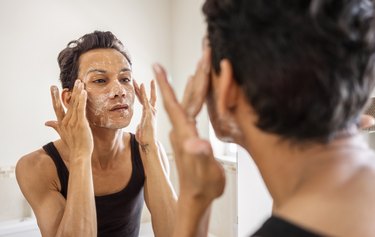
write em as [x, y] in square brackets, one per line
[192, 218]
[79, 218]
[159, 194]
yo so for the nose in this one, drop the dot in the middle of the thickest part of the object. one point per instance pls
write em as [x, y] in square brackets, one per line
[117, 90]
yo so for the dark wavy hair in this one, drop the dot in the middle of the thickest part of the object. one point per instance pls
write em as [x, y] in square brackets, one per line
[68, 58]
[306, 66]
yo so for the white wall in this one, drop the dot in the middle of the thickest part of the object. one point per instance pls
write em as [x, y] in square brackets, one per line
[254, 201]
[187, 31]
[32, 35]
[34, 32]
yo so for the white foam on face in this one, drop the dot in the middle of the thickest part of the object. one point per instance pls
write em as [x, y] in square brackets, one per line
[103, 97]
[99, 106]
[232, 131]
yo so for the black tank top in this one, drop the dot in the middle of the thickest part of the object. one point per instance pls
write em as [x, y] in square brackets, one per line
[278, 227]
[118, 214]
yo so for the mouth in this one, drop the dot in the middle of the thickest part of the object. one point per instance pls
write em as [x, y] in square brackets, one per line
[120, 107]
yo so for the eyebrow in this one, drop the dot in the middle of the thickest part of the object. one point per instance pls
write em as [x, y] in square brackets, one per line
[104, 71]
[125, 70]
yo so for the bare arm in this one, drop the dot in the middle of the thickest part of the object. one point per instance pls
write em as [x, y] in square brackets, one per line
[77, 215]
[55, 215]
[40, 189]
[159, 194]
[79, 218]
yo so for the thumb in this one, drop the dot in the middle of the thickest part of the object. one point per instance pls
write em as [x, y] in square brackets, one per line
[138, 134]
[197, 146]
[54, 125]
[366, 121]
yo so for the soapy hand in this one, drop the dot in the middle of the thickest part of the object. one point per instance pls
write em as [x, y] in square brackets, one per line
[145, 133]
[201, 177]
[72, 126]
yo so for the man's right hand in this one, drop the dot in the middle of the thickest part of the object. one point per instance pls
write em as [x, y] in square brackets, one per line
[201, 177]
[72, 126]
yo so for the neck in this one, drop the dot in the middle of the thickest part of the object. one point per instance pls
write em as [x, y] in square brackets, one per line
[287, 168]
[108, 143]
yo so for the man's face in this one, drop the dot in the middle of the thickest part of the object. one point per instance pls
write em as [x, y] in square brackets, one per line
[211, 99]
[107, 76]
[226, 129]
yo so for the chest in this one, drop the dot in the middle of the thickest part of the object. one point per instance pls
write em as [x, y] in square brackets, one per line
[112, 179]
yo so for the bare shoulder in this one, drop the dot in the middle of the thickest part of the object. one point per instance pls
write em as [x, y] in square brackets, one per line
[342, 205]
[35, 169]
[34, 162]
[38, 180]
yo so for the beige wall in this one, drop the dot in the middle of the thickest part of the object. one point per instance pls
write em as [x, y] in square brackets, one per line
[187, 31]
[33, 33]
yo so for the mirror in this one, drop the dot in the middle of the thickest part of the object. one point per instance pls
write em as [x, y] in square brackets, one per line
[34, 32]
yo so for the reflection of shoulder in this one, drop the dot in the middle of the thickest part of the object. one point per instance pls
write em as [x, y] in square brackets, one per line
[36, 166]
[33, 160]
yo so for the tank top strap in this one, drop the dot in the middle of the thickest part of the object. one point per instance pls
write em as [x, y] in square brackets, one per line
[137, 164]
[62, 170]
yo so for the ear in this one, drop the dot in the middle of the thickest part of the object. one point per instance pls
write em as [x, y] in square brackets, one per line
[66, 95]
[228, 89]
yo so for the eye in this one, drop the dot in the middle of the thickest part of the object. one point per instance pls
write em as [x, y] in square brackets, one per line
[99, 81]
[125, 80]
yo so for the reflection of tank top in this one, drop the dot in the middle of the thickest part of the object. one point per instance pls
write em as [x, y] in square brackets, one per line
[118, 214]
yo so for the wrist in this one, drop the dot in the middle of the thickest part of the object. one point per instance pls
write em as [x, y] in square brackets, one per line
[194, 203]
[192, 217]
[79, 159]
[149, 148]
[81, 152]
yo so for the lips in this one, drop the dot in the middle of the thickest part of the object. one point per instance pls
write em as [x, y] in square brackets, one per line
[119, 107]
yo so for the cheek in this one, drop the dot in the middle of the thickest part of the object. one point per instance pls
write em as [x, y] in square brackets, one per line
[97, 103]
[210, 102]
[130, 95]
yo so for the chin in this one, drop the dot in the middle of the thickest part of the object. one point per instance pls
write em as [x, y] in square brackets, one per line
[226, 130]
[112, 123]
[118, 124]
[224, 136]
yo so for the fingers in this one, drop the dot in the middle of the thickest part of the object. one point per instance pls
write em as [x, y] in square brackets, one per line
[153, 93]
[137, 91]
[54, 125]
[71, 115]
[56, 102]
[141, 93]
[144, 97]
[197, 87]
[81, 107]
[366, 121]
[197, 146]
[175, 112]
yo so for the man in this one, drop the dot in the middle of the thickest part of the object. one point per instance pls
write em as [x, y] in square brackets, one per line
[288, 81]
[93, 181]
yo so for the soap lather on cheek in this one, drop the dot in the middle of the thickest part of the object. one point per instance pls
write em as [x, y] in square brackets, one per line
[99, 106]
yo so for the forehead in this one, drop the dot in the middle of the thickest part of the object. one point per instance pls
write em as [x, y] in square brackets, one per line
[102, 59]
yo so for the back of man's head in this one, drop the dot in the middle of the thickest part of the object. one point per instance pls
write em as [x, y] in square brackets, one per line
[306, 66]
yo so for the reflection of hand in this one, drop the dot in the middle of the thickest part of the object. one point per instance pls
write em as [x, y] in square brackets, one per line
[366, 121]
[73, 126]
[145, 134]
[201, 177]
